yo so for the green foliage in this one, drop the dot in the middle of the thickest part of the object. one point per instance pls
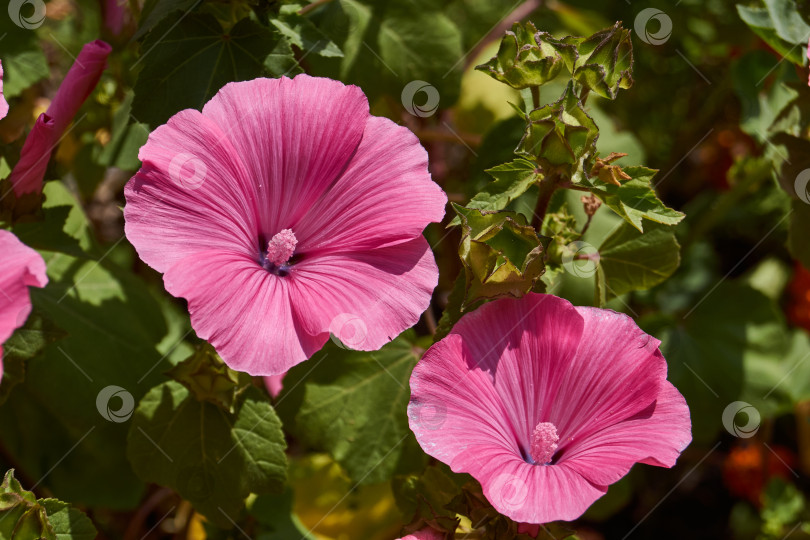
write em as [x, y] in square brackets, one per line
[630, 260]
[299, 31]
[23, 517]
[352, 404]
[635, 199]
[24, 61]
[213, 454]
[187, 58]
[780, 25]
[502, 255]
[26, 343]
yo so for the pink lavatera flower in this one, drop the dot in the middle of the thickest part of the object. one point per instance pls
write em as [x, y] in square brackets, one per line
[29, 173]
[274, 384]
[546, 404]
[282, 212]
[3, 102]
[22, 267]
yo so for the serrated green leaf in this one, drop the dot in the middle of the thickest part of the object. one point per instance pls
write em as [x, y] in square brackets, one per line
[210, 379]
[512, 180]
[211, 457]
[353, 405]
[635, 199]
[188, 58]
[23, 517]
[634, 261]
[299, 31]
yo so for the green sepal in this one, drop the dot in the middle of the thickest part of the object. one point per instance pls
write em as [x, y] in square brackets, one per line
[529, 58]
[560, 135]
[501, 253]
[605, 61]
[209, 379]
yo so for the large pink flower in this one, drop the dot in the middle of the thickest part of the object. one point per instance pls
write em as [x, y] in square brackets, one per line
[22, 268]
[44, 137]
[284, 211]
[546, 404]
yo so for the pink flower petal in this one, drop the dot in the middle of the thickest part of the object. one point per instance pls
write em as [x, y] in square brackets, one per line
[295, 136]
[192, 195]
[365, 298]
[492, 398]
[3, 102]
[655, 436]
[22, 268]
[243, 311]
[386, 182]
[425, 533]
[28, 175]
[274, 384]
[615, 390]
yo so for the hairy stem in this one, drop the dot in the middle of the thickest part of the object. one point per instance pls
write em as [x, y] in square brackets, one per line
[548, 185]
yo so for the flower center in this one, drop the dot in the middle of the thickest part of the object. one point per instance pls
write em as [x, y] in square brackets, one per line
[280, 248]
[544, 443]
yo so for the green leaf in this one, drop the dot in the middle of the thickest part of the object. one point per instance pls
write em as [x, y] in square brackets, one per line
[67, 522]
[636, 199]
[798, 230]
[112, 325]
[23, 517]
[126, 139]
[210, 456]
[709, 344]
[187, 59]
[605, 61]
[26, 343]
[783, 505]
[24, 61]
[560, 135]
[353, 405]
[299, 31]
[511, 181]
[528, 58]
[633, 261]
[780, 26]
[154, 11]
[425, 496]
[276, 518]
[502, 255]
